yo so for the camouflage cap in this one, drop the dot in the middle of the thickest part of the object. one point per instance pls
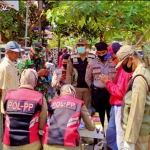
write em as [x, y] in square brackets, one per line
[38, 49]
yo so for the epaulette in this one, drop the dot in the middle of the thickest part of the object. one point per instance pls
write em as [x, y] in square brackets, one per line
[74, 55]
[90, 55]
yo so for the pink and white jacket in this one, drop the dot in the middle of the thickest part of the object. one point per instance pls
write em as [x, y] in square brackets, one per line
[117, 88]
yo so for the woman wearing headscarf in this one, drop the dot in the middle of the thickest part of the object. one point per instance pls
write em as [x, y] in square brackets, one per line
[26, 113]
[64, 119]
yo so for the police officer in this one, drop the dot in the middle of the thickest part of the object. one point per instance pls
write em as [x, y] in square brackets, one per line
[65, 113]
[76, 69]
[95, 68]
[26, 113]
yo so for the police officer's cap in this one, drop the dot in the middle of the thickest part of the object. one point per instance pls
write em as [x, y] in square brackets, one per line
[101, 46]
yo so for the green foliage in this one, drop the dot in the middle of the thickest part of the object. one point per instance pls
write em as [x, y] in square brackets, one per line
[11, 23]
[53, 44]
[104, 19]
[72, 41]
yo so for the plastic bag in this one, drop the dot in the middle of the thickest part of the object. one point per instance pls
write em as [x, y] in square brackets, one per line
[99, 146]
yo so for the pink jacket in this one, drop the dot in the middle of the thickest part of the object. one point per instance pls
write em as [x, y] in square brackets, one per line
[117, 88]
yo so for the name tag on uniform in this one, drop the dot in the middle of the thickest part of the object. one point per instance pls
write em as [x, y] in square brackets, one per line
[112, 70]
[111, 66]
[96, 71]
[20, 106]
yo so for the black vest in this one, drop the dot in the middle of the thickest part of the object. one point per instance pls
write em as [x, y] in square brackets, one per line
[80, 66]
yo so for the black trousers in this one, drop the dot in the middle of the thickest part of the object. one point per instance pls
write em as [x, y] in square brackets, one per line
[100, 101]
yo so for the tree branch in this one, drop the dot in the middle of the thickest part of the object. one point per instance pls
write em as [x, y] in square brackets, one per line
[142, 36]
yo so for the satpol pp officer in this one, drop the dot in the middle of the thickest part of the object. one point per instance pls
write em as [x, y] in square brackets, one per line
[96, 68]
[76, 69]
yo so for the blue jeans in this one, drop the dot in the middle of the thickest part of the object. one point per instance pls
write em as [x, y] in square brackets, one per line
[114, 132]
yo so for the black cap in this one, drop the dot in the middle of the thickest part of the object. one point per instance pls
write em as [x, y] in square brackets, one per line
[101, 46]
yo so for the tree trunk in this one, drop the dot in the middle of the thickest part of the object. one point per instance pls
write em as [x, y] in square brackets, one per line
[3, 38]
[101, 36]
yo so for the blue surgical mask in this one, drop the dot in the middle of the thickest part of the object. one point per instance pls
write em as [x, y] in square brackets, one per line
[81, 50]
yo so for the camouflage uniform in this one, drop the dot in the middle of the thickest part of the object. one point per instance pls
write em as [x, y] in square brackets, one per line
[37, 64]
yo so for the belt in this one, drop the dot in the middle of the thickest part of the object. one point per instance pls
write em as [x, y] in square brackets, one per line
[99, 89]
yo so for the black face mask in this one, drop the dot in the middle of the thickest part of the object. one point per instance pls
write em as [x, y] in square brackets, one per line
[102, 57]
[126, 69]
[65, 66]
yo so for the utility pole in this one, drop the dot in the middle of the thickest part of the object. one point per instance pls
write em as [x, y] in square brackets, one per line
[26, 29]
[40, 7]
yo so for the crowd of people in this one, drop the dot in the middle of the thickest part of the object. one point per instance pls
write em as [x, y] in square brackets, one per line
[42, 107]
